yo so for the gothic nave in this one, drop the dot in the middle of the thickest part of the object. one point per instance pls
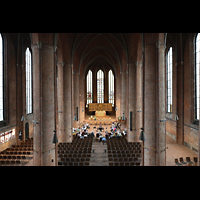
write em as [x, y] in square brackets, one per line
[50, 81]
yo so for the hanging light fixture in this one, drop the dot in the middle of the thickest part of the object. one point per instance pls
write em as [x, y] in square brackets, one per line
[55, 139]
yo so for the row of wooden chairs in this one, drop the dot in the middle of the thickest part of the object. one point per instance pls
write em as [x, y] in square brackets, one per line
[123, 153]
[20, 149]
[73, 163]
[10, 162]
[17, 154]
[77, 153]
[119, 155]
[74, 149]
[123, 159]
[12, 157]
[124, 163]
[75, 159]
[187, 162]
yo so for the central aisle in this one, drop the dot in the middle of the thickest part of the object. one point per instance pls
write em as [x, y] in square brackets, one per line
[99, 155]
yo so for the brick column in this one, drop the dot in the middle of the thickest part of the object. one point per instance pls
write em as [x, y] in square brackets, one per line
[76, 97]
[37, 144]
[60, 132]
[139, 100]
[123, 93]
[43, 98]
[68, 102]
[132, 95]
[180, 103]
[154, 102]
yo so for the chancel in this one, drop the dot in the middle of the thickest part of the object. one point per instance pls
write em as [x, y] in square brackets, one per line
[59, 90]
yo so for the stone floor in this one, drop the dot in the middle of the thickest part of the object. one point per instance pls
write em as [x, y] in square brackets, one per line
[99, 155]
[176, 151]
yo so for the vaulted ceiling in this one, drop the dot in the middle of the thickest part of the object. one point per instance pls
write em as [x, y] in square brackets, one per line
[96, 49]
[85, 50]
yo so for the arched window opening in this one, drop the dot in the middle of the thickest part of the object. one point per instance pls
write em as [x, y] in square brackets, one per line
[100, 86]
[1, 78]
[29, 108]
[169, 80]
[111, 87]
[197, 65]
[89, 87]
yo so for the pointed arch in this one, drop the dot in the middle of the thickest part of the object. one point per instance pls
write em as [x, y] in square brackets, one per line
[111, 87]
[169, 79]
[100, 86]
[89, 87]
[29, 86]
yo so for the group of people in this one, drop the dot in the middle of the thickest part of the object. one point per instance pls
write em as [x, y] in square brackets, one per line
[114, 132]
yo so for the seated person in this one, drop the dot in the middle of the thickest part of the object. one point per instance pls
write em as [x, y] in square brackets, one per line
[100, 137]
[119, 134]
[103, 140]
[92, 134]
[106, 134]
[98, 133]
[74, 133]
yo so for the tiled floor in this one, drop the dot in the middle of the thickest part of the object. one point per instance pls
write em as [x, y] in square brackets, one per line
[176, 151]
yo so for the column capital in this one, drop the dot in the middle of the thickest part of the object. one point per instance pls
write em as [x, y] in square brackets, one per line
[38, 45]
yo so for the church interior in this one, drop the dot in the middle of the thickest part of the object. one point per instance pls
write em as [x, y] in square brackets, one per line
[53, 84]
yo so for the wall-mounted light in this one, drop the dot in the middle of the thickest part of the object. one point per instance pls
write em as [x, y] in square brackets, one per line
[23, 118]
[75, 117]
[123, 117]
[176, 117]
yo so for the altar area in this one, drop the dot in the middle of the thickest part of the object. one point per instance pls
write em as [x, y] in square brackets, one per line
[100, 113]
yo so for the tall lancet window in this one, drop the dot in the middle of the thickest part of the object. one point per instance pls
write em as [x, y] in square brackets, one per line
[169, 79]
[111, 87]
[197, 65]
[89, 87]
[1, 78]
[100, 86]
[29, 108]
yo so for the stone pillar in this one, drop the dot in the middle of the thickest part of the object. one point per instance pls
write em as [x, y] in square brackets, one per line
[37, 137]
[132, 95]
[123, 93]
[68, 102]
[180, 104]
[154, 102]
[139, 100]
[76, 97]
[60, 132]
[43, 98]
[161, 107]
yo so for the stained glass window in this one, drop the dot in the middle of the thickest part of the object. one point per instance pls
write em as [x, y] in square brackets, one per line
[100, 86]
[111, 88]
[1, 78]
[89, 87]
[197, 65]
[169, 79]
[28, 82]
